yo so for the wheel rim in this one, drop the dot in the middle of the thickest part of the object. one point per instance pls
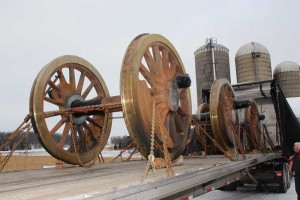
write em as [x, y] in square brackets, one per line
[149, 67]
[66, 79]
[202, 108]
[224, 118]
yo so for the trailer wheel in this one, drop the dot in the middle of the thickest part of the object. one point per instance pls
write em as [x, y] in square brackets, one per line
[289, 178]
[285, 182]
[260, 187]
[231, 187]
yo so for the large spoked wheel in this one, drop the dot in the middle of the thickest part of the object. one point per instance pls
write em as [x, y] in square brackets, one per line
[60, 83]
[252, 125]
[224, 119]
[148, 73]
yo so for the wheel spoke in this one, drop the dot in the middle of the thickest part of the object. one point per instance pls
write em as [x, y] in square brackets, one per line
[156, 55]
[171, 127]
[178, 121]
[54, 101]
[181, 113]
[82, 140]
[51, 114]
[183, 94]
[58, 125]
[64, 135]
[92, 121]
[53, 86]
[73, 146]
[163, 112]
[150, 61]
[61, 76]
[88, 90]
[81, 82]
[90, 132]
[146, 74]
[166, 131]
[165, 58]
[72, 77]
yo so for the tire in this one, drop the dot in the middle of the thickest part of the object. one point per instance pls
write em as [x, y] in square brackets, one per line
[231, 187]
[260, 187]
[285, 179]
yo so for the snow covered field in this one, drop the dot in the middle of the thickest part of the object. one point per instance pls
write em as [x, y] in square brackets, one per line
[43, 152]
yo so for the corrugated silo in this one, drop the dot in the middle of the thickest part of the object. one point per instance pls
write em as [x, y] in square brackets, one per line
[211, 62]
[287, 75]
[253, 63]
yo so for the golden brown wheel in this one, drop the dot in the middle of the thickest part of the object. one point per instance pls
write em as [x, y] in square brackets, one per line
[149, 69]
[224, 119]
[60, 83]
[252, 125]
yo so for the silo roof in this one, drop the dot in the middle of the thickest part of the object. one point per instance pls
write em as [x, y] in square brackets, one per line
[286, 66]
[206, 47]
[252, 47]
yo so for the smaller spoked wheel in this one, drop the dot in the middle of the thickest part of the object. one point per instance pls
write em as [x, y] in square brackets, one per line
[224, 118]
[202, 108]
[150, 67]
[252, 125]
[65, 80]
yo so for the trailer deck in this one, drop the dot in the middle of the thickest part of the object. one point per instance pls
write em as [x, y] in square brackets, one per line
[123, 180]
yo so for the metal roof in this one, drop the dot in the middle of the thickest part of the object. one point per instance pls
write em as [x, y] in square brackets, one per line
[252, 47]
[286, 66]
[207, 47]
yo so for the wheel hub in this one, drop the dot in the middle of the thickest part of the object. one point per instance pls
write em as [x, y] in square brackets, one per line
[72, 99]
[173, 98]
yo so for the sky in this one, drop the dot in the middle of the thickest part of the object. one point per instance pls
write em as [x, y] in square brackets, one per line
[32, 33]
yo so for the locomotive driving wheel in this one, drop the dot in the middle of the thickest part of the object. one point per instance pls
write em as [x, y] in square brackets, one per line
[61, 83]
[149, 72]
[224, 118]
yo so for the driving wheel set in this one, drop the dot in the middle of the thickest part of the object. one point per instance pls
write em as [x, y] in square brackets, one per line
[71, 109]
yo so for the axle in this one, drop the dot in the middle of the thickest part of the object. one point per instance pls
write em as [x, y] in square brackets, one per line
[105, 102]
[241, 104]
[202, 117]
[236, 105]
[76, 101]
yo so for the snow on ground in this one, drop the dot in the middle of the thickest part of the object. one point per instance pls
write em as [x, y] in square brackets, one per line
[43, 152]
[248, 193]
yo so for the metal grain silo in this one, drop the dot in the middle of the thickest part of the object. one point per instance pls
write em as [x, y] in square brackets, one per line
[253, 63]
[211, 62]
[287, 75]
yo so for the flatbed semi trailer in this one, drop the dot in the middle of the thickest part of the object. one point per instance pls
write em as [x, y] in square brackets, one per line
[123, 180]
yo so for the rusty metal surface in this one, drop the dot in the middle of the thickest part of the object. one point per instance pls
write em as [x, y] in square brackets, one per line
[52, 87]
[110, 100]
[149, 68]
